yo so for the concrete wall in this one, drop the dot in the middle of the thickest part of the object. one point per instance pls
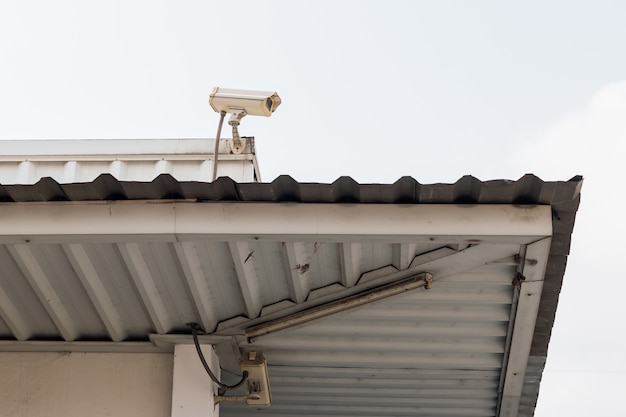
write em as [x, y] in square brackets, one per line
[55, 384]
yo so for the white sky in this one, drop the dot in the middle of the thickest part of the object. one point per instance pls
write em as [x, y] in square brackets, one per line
[374, 90]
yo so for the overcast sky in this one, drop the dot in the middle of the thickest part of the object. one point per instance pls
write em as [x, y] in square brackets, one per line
[374, 90]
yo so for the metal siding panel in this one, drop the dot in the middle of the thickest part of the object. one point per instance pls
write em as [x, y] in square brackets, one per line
[382, 386]
[433, 327]
[441, 311]
[399, 343]
[167, 275]
[320, 409]
[221, 279]
[401, 359]
[270, 271]
[374, 255]
[29, 310]
[116, 279]
[5, 331]
[324, 263]
[26, 162]
[76, 316]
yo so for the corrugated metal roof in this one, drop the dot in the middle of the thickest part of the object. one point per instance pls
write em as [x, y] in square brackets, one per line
[427, 353]
[468, 190]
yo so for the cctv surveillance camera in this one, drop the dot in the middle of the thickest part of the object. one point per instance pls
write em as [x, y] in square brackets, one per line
[243, 102]
[239, 103]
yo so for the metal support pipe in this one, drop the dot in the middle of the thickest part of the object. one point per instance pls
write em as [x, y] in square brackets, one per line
[216, 149]
[423, 279]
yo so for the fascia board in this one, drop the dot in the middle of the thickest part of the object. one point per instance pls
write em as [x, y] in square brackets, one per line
[174, 221]
[523, 323]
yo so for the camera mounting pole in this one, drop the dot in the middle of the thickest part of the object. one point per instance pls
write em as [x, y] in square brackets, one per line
[235, 118]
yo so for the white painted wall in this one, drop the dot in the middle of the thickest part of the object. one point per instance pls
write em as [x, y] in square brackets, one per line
[62, 384]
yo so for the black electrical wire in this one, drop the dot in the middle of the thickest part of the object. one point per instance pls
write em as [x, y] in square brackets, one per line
[207, 368]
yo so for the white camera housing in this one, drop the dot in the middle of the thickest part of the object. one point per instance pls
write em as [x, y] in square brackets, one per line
[256, 103]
